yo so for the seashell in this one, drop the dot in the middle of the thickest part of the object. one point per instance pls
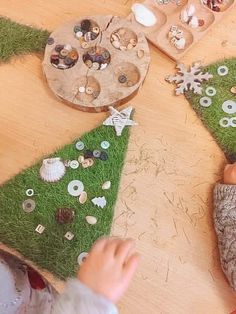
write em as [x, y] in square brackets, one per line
[106, 185]
[191, 10]
[184, 16]
[52, 169]
[180, 43]
[143, 15]
[91, 220]
[81, 159]
[83, 197]
[194, 23]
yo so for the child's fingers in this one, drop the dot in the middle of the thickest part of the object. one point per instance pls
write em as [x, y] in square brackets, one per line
[99, 245]
[112, 244]
[124, 249]
[131, 266]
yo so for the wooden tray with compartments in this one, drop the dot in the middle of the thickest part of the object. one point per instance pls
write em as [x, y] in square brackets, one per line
[168, 15]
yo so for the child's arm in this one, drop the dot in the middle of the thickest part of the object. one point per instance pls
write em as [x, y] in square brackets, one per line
[225, 222]
[102, 279]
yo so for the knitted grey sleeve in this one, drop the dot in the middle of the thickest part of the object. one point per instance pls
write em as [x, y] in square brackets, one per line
[79, 299]
[225, 226]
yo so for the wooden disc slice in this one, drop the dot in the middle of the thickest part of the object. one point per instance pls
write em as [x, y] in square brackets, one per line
[95, 62]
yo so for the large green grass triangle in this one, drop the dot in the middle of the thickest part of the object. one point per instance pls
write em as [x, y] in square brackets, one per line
[50, 250]
[16, 39]
[210, 116]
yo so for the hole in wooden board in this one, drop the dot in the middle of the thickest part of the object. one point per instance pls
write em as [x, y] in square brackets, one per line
[86, 30]
[205, 18]
[123, 39]
[97, 58]
[85, 89]
[64, 56]
[165, 42]
[127, 74]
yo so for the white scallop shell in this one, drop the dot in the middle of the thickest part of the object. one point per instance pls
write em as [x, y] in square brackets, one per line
[52, 169]
[180, 43]
[143, 15]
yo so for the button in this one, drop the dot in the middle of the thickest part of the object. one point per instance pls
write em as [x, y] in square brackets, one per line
[73, 55]
[229, 106]
[96, 153]
[106, 54]
[205, 101]
[122, 79]
[28, 205]
[86, 163]
[103, 156]
[64, 53]
[88, 154]
[82, 89]
[103, 66]
[75, 188]
[29, 192]
[69, 235]
[58, 48]
[96, 92]
[79, 145]
[224, 122]
[223, 70]
[96, 65]
[77, 29]
[130, 46]
[79, 34]
[233, 122]
[81, 258]
[68, 61]
[74, 164]
[89, 63]
[50, 41]
[96, 30]
[85, 45]
[85, 25]
[88, 36]
[40, 229]
[65, 215]
[210, 91]
[90, 162]
[89, 90]
[105, 144]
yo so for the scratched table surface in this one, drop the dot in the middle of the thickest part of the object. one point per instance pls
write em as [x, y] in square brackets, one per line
[172, 164]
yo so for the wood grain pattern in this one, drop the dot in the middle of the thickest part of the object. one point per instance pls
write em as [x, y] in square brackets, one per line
[165, 200]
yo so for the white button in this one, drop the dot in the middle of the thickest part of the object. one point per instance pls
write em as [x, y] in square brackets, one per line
[210, 91]
[81, 258]
[29, 192]
[225, 122]
[105, 144]
[205, 101]
[79, 34]
[69, 235]
[79, 145]
[233, 122]
[74, 164]
[75, 188]
[222, 70]
[229, 106]
[40, 229]
[82, 89]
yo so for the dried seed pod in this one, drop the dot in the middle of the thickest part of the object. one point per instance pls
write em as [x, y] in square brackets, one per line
[65, 215]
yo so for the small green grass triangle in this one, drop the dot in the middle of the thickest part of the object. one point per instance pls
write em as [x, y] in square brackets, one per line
[210, 116]
[50, 250]
[16, 39]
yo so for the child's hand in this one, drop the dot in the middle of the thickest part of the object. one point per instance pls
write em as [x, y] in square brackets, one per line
[109, 267]
[230, 174]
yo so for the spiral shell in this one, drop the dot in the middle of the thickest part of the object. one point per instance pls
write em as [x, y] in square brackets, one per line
[52, 170]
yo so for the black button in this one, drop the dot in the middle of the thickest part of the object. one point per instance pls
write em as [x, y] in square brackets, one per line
[85, 25]
[50, 41]
[103, 156]
[88, 154]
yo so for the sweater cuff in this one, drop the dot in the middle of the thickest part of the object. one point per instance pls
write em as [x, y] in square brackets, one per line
[86, 294]
[225, 191]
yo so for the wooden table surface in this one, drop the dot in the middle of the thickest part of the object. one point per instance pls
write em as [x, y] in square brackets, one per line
[165, 199]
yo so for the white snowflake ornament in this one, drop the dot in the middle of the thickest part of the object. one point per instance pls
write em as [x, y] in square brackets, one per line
[189, 80]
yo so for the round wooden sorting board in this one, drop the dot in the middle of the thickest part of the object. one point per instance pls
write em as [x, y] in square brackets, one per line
[91, 89]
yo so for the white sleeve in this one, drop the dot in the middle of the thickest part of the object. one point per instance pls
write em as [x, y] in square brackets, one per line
[79, 299]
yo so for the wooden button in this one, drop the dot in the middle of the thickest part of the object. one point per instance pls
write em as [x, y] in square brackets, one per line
[64, 53]
[85, 45]
[96, 65]
[89, 90]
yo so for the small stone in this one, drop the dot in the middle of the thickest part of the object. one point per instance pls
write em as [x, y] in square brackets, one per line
[91, 220]
[106, 185]
[83, 197]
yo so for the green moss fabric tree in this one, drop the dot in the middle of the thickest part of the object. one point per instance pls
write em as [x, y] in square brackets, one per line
[51, 250]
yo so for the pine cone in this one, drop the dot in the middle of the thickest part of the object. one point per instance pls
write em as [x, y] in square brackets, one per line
[65, 215]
